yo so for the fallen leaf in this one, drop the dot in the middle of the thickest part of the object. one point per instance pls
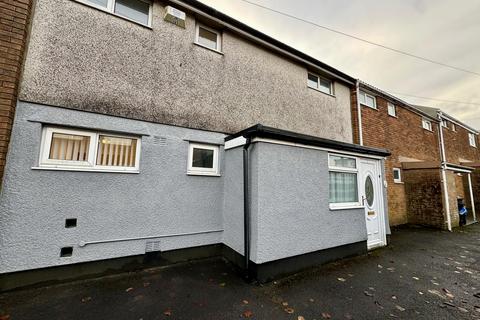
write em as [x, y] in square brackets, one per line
[462, 309]
[300, 318]
[394, 297]
[284, 303]
[399, 308]
[368, 294]
[245, 301]
[311, 300]
[223, 284]
[416, 278]
[86, 299]
[128, 289]
[167, 312]
[247, 314]
[341, 279]
[326, 315]
[289, 310]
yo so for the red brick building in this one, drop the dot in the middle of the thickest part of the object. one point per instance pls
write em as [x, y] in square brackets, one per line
[429, 170]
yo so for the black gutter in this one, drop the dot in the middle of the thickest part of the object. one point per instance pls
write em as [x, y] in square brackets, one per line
[246, 208]
[260, 35]
[261, 131]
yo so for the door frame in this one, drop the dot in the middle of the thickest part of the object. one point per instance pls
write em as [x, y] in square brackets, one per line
[380, 198]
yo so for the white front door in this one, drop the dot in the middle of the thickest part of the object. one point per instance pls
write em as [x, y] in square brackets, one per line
[371, 192]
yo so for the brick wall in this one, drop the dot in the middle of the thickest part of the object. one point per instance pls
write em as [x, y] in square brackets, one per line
[457, 146]
[14, 18]
[404, 137]
[424, 197]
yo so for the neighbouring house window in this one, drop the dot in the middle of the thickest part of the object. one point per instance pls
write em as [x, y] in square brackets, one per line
[445, 123]
[208, 37]
[319, 83]
[471, 139]
[397, 175]
[134, 10]
[427, 124]
[77, 149]
[368, 100]
[203, 159]
[343, 181]
[454, 128]
[392, 111]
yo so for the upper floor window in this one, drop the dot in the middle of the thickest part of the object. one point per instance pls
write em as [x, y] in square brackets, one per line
[368, 100]
[319, 83]
[392, 111]
[427, 124]
[454, 128]
[445, 123]
[471, 139]
[78, 149]
[208, 38]
[135, 10]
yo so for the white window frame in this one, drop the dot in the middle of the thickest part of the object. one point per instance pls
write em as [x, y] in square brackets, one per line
[319, 79]
[445, 124]
[215, 171]
[364, 102]
[111, 9]
[391, 106]
[345, 205]
[217, 32]
[399, 180]
[427, 124]
[89, 165]
[454, 127]
[471, 140]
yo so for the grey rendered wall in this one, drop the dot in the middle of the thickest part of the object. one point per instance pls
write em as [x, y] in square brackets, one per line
[233, 200]
[292, 214]
[161, 200]
[83, 58]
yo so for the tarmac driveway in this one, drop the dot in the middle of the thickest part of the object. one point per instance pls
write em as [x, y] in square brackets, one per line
[423, 274]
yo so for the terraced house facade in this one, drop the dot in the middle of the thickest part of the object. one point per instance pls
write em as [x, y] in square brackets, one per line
[136, 137]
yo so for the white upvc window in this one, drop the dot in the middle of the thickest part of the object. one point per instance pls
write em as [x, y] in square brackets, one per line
[63, 148]
[472, 140]
[427, 124]
[343, 181]
[454, 127]
[392, 111]
[445, 123]
[139, 11]
[368, 100]
[208, 37]
[397, 175]
[319, 83]
[203, 159]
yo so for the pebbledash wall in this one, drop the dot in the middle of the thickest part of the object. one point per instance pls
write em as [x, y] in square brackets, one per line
[83, 58]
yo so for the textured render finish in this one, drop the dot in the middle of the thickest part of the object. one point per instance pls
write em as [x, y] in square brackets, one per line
[162, 199]
[233, 200]
[119, 68]
[291, 213]
[396, 134]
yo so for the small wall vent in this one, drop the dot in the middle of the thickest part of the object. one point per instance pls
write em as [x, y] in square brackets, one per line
[152, 246]
[158, 140]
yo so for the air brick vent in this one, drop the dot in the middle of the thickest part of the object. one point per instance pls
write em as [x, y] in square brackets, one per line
[152, 246]
[158, 140]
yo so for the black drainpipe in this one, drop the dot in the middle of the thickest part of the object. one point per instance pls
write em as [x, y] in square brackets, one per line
[246, 207]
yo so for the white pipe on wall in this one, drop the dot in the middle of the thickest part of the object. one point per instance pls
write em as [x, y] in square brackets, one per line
[359, 113]
[471, 196]
[444, 173]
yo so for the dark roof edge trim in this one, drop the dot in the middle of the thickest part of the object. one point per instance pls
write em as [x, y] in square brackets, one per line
[261, 131]
[260, 37]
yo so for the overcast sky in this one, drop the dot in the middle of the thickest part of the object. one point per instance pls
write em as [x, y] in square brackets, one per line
[442, 30]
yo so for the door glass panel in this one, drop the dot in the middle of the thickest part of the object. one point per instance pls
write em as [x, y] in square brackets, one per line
[369, 192]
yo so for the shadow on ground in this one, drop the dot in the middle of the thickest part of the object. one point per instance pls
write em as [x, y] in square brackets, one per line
[422, 274]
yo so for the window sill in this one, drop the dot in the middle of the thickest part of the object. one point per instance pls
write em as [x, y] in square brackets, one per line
[328, 94]
[100, 8]
[398, 182]
[352, 207]
[85, 170]
[390, 115]
[205, 47]
[208, 174]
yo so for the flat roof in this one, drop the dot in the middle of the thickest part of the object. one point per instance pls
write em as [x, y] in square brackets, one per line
[261, 131]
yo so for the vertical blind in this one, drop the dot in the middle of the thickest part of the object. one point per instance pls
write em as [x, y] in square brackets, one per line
[343, 187]
[115, 151]
[69, 147]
